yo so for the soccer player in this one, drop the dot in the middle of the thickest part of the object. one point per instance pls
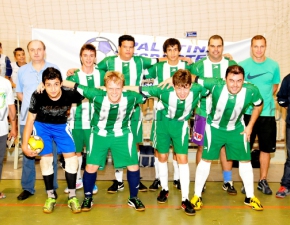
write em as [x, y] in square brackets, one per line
[178, 103]
[283, 97]
[265, 74]
[81, 113]
[214, 65]
[5, 68]
[29, 77]
[111, 129]
[225, 127]
[7, 109]
[48, 112]
[161, 71]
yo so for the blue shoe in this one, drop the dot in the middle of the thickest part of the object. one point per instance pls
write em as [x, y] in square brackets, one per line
[95, 190]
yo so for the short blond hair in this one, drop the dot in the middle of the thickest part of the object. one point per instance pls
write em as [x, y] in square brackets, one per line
[258, 37]
[114, 76]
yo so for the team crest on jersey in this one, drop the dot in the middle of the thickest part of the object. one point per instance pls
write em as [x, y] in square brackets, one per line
[197, 136]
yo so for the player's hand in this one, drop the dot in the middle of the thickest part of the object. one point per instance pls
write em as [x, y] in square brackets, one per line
[70, 72]
[40, 88]
[28, 152]
[186, 59]
[167, 82]
[228, 55]
[247, 132]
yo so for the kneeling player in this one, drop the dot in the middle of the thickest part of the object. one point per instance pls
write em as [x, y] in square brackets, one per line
[48, 118]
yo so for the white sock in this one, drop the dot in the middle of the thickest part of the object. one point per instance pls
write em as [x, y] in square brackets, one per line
[246, 173]
[163, 174]
[184, 180]
[156, 167]
[80, 159]
[175, 170]
[201, 174]
[119, 175]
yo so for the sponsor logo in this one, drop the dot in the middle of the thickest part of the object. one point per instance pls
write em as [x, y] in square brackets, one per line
[254, 76]
[197, 136]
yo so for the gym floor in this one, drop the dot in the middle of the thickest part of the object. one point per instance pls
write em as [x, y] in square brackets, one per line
[219, 207]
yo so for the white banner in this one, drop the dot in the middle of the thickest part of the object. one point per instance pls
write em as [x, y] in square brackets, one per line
[63, 47]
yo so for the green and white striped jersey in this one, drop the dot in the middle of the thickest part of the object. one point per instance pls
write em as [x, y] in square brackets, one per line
[81, 113]
[162, 70]
[133, 69]
[227, 109]
[207, 68]
[174, 108]
[111, 119]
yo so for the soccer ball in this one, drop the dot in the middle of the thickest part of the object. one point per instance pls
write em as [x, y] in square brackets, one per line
[35, 143]
[104, 47]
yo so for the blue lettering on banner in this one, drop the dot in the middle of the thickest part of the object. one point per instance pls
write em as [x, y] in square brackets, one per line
[153, 47]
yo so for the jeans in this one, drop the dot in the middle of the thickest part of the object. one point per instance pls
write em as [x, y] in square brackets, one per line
[28, 169]
[3, 140]
[286, 176]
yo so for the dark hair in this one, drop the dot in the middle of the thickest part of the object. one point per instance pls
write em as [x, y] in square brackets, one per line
[182, 78]
[51, 73]
[171, 42]
[215, 37]
[18, 50]
[126, 38]
[0, 45]
[258, 37]
[89, 47]
[235, 69]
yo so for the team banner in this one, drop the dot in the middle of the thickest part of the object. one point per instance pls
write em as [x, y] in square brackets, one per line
[63, 46]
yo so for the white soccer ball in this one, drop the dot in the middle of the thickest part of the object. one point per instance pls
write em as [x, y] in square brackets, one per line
[104, 46]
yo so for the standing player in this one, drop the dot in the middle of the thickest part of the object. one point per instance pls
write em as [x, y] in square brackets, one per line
[161, 71]
[7, 109]
[81, 113]
[29, 77]
[214, 65]
[5, 68]
[111, 129]
[283, 97]
[19, 56]
[225, 127]
[265, 74]
[47, 116]
[178, 103]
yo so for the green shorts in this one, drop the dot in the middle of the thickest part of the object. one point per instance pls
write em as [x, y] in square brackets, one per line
[123, 150]
[172, 131]
[237, 147]
[137, 126]
[157, 118]
[81, 138]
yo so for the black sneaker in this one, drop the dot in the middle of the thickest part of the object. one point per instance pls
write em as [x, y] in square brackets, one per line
[204, 188]
[229, 187]
[176, 184]
[264, 187]
[155, 185]
[87, 204]
[136, 203]
[117, 186]
[187, 207]
[243, 190]
[142, 187]
[162, 197]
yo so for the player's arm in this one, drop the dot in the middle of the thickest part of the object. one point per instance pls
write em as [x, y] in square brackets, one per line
[27, 133]
[12, 119]
[283, 94]
[71, 71]
[255, 114]
[275, 88]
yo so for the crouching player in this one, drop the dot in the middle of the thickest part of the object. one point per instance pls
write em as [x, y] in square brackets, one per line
[172, 126]
[111, 129]
[225, 127]
[47, 117]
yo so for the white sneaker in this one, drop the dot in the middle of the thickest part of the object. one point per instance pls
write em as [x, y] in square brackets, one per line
[79, 185]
